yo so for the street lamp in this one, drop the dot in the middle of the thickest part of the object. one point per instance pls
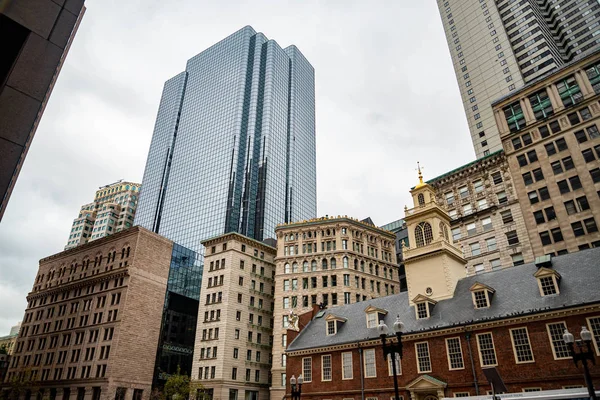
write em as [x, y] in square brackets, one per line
[584, 354]
[392, 349]
[296, 392]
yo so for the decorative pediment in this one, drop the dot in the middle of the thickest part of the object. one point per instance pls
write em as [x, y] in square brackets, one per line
[332, 317]
[542, 272]
[426, 382]
[477, 286]
[371, 309]
[422, 298]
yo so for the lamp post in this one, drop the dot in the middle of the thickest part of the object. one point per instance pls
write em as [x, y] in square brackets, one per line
[392, 349]
[296, 388]
[584, 354]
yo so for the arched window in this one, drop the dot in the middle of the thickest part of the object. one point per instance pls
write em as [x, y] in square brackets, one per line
[324, 263]
[286, 268]
[305, 266]
[355, 264]
[313, 265]
[332, 263]
[423, 234]
[295, 267]
[123, 253]
[362, 266]
[345, 262]
[444, 231]
[421, 199]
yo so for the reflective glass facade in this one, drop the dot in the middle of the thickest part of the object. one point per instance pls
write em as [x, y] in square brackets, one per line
[178, 327]
[233, 148]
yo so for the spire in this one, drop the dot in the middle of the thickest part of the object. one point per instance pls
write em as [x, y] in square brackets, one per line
[420, 184]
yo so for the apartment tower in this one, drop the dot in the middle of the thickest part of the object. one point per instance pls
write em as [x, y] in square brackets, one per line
[499, 46]
[112, 210]
[327, 261]
[554, 156]
[36, 37]
[233, 148]
[232, 353]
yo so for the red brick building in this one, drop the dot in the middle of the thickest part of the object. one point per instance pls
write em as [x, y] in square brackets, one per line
[512, 319]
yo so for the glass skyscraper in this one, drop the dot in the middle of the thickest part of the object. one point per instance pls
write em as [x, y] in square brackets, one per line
[233, 148]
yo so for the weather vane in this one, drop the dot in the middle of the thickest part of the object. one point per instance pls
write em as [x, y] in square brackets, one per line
[419, 170]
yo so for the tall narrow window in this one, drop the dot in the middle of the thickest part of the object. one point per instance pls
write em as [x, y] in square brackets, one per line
[423, 234]
[487, 353]
[307, 369]
[540, 102]
[398, 364]
[455, 357]
[521, 345]
[326, 367]
[370, 367]
[569, 91]
[559, 347]
[423, 359]
[347, 372]
[514, 117]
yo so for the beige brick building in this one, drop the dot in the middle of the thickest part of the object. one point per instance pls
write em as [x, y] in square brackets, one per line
[93, 319]
[549, 131]
[327, 260]
[232, 352]
[486, 218]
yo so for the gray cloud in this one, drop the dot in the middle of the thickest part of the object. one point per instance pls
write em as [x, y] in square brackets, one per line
[386, 97]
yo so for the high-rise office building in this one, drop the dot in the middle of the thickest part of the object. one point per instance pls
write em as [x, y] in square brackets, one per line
[233, 148]
[36, 37]
[499, 46]
[111, 211]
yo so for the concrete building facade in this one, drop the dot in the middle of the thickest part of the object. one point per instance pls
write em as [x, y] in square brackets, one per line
[329, 261]
[550, 134]
[112, 210]
[499, 46]
[486, 218]
[36, 39]
[93, 319]
[232, 352]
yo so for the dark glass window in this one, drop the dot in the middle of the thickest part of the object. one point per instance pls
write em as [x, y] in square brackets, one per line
[539, 217]
[541, 105]
[514, 117]
[577, 229]
[545, 238]
[588, 155]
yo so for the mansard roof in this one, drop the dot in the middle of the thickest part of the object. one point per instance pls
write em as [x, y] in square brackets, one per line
[516, 294]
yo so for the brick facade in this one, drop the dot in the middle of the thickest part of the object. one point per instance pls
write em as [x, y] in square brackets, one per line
[545, 372]
[93, 319]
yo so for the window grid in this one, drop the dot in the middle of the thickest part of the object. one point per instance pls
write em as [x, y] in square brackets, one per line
[398, 364]
[594, 324]
[455, 358]
[487, 353]
[370, 368]
[326, 367]
[423, 360]
[422, 310]
[347, 372]
[521, 345]
[481, 300]
[307, 369]
[548, 286]
[559, 347]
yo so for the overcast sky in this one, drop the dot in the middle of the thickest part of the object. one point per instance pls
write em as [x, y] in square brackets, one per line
[386, 98]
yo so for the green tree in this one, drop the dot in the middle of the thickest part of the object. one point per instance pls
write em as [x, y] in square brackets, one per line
[177, 386]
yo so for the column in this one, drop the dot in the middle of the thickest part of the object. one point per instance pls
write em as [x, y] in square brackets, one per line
[584, 84]
[527, 110]
[129, 393]
[89, 393]
[555, 98]
[60, 393]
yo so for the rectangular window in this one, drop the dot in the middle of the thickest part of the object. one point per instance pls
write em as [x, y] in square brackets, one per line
[521, 345]
[475, 249]
[506, 217]
[594, 325]
[370, 367]
[487, 353]
[347, 371]
[569, 91]
[326, 367]
[423, 359]
[398, 364]
[515, 118]
[560, 350]
[541, 105]
[455, 358]
[512, 238]
[307, 369]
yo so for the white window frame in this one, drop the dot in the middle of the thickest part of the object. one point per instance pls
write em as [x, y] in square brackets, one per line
[590, 327]
[424, 303]
[487, 298]
[419, 370]
[370, 351]
[344, 376]
[514, 346]
[493, 347]
[462, 360]
[327, 328]
[561, 340]
[369, 324]
[307, 377]
[398, 365]
[553, 281]
[323, 357]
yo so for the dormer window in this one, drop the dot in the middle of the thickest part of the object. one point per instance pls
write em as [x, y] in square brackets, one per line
[423, 306]
[482, 295]
[333, 323]
[548, 280]
[374, 315]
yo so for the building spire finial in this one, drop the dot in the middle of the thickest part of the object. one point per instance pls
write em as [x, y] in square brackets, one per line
[420, 174]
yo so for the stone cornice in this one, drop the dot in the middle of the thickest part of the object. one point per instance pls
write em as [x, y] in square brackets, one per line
[240, 238]
[327, 221]
[457, 329]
